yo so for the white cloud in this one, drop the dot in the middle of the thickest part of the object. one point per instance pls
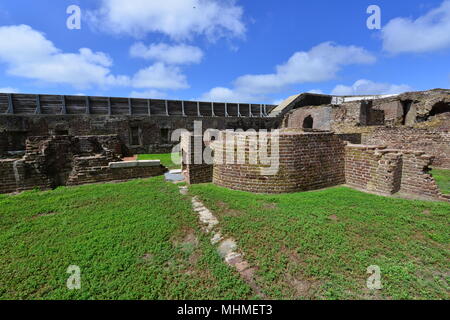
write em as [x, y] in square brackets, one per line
[148, 94]
[221, 94]
[321, 63]
[179, 19]
[429, 32]
[9, 90]
[160, 76]
[367, 87]
[277, 102]
[28, 54]
[316, 91]
[176, 54]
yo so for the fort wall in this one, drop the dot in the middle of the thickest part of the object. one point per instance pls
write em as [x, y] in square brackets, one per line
[53, 161]
[144, 125]
[435, 142]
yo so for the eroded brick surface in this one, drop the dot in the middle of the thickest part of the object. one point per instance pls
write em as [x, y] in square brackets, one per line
[52, 161]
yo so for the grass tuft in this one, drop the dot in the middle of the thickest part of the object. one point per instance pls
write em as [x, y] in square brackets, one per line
[165, 158]
[442, 178]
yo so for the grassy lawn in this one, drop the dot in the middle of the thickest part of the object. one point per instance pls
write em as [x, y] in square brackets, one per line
[318, 245]
[141, 240]
[442, 178]
[134, 240]
[166, 159]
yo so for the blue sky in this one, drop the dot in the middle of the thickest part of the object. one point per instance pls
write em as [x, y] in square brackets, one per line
[256, 51]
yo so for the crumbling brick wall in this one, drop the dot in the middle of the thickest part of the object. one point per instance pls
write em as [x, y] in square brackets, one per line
[433, 141]
[52, 161]
[154, 131]
[101, 172]
[388, 171]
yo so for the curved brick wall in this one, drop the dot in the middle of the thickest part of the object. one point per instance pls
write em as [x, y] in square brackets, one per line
[307, 161]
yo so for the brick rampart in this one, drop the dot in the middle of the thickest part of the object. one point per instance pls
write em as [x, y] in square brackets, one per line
[307, 161]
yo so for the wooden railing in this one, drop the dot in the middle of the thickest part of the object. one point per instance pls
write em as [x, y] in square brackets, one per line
[29, 104]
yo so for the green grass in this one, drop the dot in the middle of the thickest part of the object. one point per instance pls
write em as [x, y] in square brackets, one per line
[141, 240]
[318, 245]
[442, 178]
[166, 159]
[134, 240]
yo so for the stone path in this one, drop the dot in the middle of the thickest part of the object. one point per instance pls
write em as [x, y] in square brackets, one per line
[227, 248]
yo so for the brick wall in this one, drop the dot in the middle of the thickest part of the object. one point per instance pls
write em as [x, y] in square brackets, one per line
[193, 171]
[307, 161]
[8, 181]
[150, 128]
[388, 171]
[433, 141]
[52, 161]
[103, 173]
[322, 116]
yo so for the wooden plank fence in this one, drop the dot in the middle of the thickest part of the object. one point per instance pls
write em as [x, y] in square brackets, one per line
[31, 104]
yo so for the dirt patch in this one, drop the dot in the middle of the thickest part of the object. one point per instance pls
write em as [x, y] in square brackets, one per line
[45, 214]
[133, 158]
[226, 211]
[190, 238]
[368, 294]
[333, 217]
[249, 277]
[232, 213]
[189, 243]
[270, 205]
[147, 257]
[185, 236]
[301, 287]
[222, 204]
[194, 257]
[426, 212]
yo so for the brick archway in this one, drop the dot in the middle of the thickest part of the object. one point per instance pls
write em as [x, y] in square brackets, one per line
[308, 122]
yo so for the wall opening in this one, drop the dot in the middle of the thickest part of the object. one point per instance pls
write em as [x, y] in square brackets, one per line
[165, 139]
[440, 107]
[308, 122]
[134, 136]
[364, 112]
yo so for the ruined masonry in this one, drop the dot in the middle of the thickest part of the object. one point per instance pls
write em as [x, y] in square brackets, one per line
[381, 144]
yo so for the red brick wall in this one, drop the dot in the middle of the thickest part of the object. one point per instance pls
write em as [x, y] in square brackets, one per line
[86, 175]
[388, 171]
[8, 181]
[433, 142]
[60, 160]
[307, 161]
